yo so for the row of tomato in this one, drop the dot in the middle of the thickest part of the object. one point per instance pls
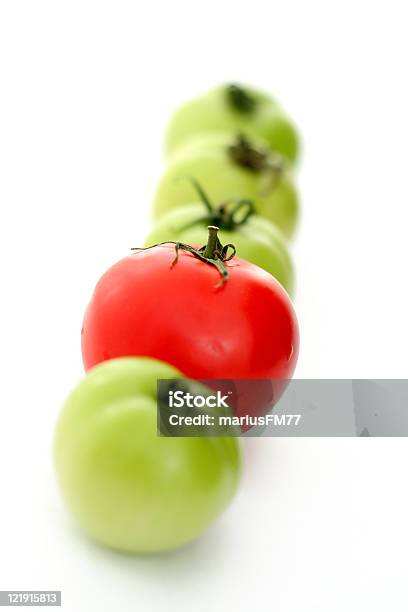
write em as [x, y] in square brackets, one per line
[206, 298]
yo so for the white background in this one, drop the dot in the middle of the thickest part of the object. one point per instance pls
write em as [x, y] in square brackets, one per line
[86, 89]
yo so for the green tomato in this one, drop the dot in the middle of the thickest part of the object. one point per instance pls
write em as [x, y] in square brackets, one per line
[231, 166]
[236, 109]
[129, 488]
[255, 239]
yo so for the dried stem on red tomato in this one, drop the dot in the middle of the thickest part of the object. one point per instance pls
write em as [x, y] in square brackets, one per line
[212, 253]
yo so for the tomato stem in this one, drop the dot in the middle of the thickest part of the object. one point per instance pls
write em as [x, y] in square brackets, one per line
[202, 195]
[212, 253]
[258, 160]
[244, 153]
[240, 99]
[226, 216]
[212, 242]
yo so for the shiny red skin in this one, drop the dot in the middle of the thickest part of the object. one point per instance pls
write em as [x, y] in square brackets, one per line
[144, 305]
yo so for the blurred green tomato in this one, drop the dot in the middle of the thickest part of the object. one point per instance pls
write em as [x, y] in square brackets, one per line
[233, 108]
[127, 487]
[231, 166]
[256, 239]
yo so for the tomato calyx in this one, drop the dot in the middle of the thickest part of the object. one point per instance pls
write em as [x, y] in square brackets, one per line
[240, 99]
[212, 253]
[226, 216]
[244, 153]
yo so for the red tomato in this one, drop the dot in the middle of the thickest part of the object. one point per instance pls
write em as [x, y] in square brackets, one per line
[144, 305]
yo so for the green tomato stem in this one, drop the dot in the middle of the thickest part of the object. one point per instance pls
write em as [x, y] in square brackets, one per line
[261, 161]
[227, 216]
[240, 99]
[202, 195]
[245, 154]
